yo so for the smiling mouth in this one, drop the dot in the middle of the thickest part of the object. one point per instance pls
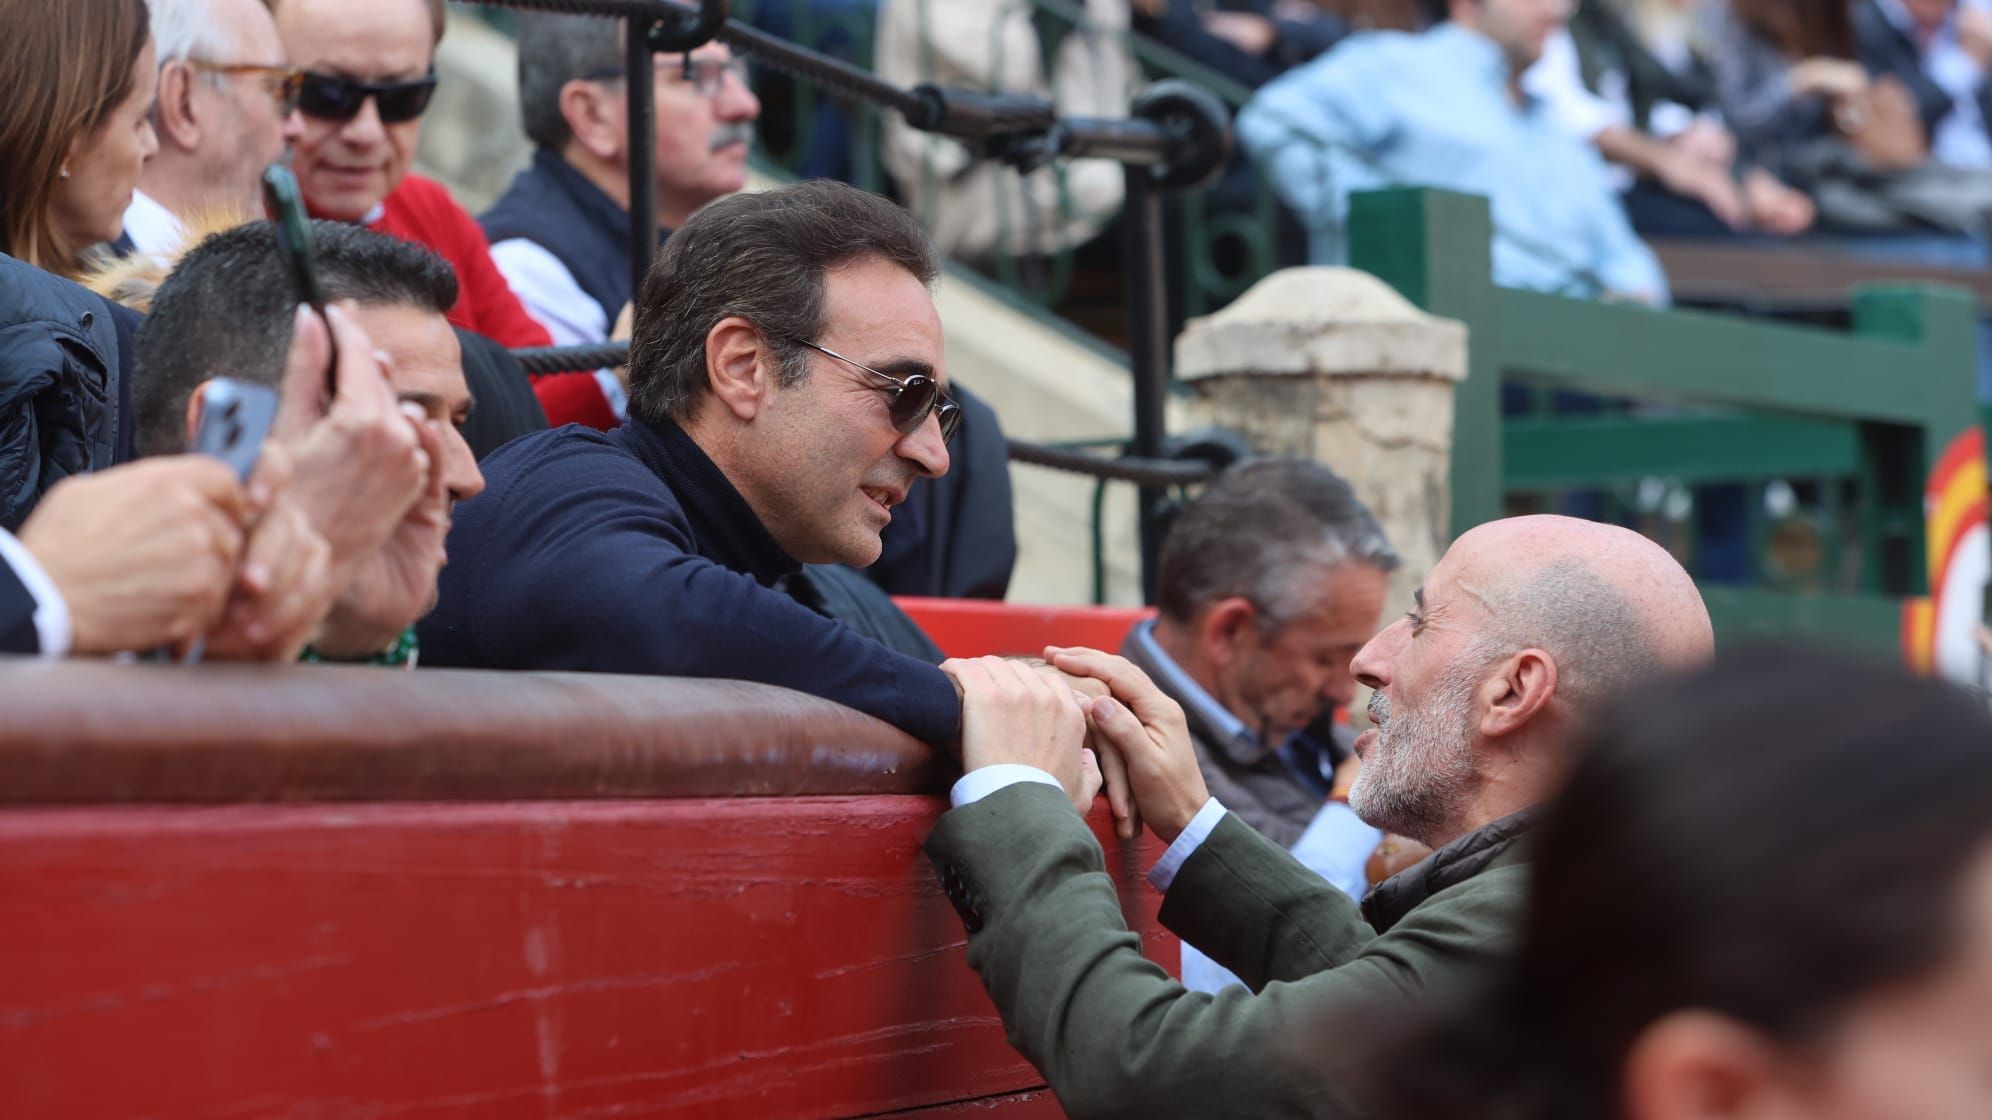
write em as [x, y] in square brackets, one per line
[886, 499]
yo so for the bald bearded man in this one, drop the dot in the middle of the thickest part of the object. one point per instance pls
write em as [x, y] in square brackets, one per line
[1522, 628]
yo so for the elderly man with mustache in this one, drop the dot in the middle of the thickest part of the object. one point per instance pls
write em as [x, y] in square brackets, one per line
[1520, 631]
[560, 233]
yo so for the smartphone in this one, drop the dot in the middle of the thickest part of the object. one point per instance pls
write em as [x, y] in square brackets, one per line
[286, 206]
[235, 419]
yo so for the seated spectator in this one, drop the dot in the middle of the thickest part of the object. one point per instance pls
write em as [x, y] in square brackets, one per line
[76, 84]
[1801, 104]
[226, 110]
[1446, 109]
[378, 487]
[750, 450]
[1249, 41]
[1656, 120]
[560, 233]
[159, 555]
[1521, 630]
[975, 208]
[1721, 924]
[1269, 582]
[1941, 51]
[369, 69]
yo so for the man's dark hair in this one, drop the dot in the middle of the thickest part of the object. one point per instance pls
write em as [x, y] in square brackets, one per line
[1260, 532]
[760, 257]
[556, 49]
[227, 308]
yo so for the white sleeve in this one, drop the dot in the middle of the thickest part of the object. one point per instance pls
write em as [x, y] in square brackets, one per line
[52, 626]
[1163, 874]
[1558, 80]
[978, 784]
[549, 292]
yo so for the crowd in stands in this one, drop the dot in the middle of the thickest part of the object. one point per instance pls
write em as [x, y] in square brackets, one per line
[1625, 877]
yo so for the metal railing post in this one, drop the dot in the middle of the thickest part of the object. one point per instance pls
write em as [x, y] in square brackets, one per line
[642, 100]
[1148, 349]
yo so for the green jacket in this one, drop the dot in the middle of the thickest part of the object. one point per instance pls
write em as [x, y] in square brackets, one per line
[1114, 1035]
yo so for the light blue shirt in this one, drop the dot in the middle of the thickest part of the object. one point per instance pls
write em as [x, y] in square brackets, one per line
[1386, 109]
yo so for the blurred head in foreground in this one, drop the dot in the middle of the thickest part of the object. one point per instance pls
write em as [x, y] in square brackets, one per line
[1766, 892]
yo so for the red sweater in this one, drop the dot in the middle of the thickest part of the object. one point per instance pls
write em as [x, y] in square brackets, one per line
[421, 210]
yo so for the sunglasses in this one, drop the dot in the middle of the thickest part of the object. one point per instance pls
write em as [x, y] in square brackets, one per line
[911, 398]
[706, 75]
[329, 97]
[280, 82]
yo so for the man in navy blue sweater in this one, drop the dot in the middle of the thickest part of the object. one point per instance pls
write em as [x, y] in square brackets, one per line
[785, 392]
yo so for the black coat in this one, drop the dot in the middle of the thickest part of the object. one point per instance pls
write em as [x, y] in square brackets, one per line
[63, 388]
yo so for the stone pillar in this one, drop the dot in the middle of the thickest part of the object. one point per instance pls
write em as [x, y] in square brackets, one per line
[1334, 365]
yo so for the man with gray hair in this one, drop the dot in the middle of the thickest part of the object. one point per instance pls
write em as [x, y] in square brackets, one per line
[560, 233]
[226, 110]
[1269, 583]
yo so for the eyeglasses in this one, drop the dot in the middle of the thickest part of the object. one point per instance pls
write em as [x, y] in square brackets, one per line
[280, 82]
[706, 75]
[910, 400]
[332, 98]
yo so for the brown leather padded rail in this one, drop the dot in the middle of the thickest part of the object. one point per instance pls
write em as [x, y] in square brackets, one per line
[93, 732]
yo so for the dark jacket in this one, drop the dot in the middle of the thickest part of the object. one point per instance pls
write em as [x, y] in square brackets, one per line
[17, 614]
[556, 207]
[1885, 48]
[629, 552]
[1115, 1036]
[61, 386]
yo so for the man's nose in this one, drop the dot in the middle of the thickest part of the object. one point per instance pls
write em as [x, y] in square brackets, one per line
[365, 129]
[736, 101]
[464, 479]
[925, 448]
[1373, 662]
[293, 127]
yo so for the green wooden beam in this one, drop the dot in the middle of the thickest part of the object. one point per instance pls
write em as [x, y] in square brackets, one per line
[1572, 452]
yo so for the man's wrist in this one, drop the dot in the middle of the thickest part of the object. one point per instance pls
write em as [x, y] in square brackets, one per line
[1185, 845]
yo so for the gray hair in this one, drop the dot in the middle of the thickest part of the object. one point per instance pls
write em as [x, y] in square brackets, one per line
[1264, 530]
[188, 29]
[554, 50]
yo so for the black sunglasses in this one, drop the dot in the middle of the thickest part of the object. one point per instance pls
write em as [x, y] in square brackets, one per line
[910, 399]
[332, 98]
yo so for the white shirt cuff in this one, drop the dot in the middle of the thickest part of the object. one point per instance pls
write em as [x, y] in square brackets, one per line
[51, 609]
[1163, 874]
[978, 784]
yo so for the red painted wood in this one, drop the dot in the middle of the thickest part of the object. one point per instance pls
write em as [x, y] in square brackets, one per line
[975, 627]
[1032, 1104]
[787, 957]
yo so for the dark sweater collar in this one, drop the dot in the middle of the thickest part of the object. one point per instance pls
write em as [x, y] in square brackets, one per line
[725, 529]
[1449, 866]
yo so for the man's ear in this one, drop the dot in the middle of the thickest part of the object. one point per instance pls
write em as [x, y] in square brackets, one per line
[174, 115]
[740, 367]
[1700, 1065]
[587, 108]
[1224, 627]
[194, 402]
[1518, 693]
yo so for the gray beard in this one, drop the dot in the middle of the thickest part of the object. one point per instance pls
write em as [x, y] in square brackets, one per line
[1419, 773]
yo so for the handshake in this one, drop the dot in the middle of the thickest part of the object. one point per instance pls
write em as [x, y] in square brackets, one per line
[1091, 720]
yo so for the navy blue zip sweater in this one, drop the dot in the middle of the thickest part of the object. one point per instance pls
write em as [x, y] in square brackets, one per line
[629, 552]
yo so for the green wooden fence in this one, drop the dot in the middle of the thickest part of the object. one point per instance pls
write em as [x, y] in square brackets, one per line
[1877, 404]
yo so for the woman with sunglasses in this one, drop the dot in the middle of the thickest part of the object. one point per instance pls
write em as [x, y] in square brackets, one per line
[367, 74]
[76, 87]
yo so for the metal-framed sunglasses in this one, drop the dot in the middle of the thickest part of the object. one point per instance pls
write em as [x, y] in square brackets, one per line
[909, 400]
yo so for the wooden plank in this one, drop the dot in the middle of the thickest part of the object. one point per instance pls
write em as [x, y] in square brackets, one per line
[779, 957]
[1585, 451]
[1792, 277]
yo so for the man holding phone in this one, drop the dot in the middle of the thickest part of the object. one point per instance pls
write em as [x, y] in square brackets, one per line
[379, 460]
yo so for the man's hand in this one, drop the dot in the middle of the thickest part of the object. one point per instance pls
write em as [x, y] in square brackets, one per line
[1012, 712]
[1774, 207]
[1112, 769]
[359, 462]
[1711, 184]
[1148, 730]
[396, 584]
[143, 554]
[282, 588]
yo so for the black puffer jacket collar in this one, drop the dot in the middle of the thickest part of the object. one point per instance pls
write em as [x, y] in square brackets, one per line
[1451, 865]
[59, 387]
